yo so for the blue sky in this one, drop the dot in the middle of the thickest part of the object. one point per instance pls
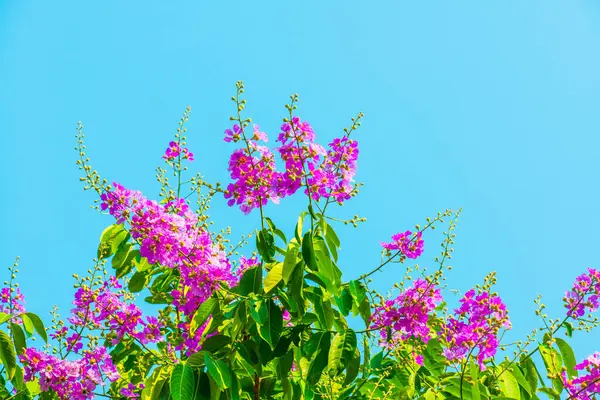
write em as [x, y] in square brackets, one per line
[489, 106]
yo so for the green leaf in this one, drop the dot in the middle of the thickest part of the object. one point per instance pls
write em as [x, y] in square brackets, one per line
[568, 328]
[520, 378]
[344, 301]
[18, 337]
[319, 361]
[38, 325]
[27, 324]
[7, 354]
[218, 371]
[265, 244]
[290, 262]
[352, 368]
[182, 382]
[110, 240]
[568, 356]
[203, 312]
[332, 237]
[4, 317]
[358, 291]
[197, 359]
[308, 252]
[433, 360]
[271, 329]
[509, 385]
[474, 368]
[530, 372]
[251, 281]
[342, 350]
[273, 277]
[138, 282]
[121, 255]
[553, 363]
[215, 343]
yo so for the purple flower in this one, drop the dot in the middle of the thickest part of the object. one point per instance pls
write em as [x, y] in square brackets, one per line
[406, 316]
[585, 294]
[411, 245]
[474, 327]
[585, 386]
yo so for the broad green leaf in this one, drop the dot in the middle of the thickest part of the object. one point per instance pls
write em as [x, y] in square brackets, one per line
[265, 244]
[520, 378]
[203, 312]
[121, 255]
[553, 363]
[290, 263]
[344, 301]
[474, 369]
[259, 311]
[110, 240]
[433, 360]
[196, 360]
[218, 371]
[271, 329]
[332, 236]
[358, 291]
[568, 356]
[18, 337]
[342, 350]
[319, 360]
[7, 354]
[38, 325]
[352, 368]
[215, 343]
[27, 324]
[138, 282]
[4, 317]
[509, 385]
[182, 382]
[530, 371]
[308, 252]
[273, 277]
[251, 281]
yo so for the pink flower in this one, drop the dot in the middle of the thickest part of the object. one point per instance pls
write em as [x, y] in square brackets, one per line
[475, 326]
[407, 315]
[585, 386]
[411, 245]
[585, 294]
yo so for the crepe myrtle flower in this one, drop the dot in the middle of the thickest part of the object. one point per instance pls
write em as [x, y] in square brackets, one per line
[411, 245]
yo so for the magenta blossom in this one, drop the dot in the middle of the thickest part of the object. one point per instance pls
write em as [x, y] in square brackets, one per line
[585, 386]
[175, 151]
[585, 294]
[474, 327]
[411, 245]
[406, 316]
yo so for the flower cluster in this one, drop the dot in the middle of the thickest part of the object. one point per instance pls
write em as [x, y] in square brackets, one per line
[174, 151]
[70, 379]
[407, 315]
[475, 326]
[585, 386]
[324, 173]
[252, 170]
[585, 294]
[12, 302]
[103, 307]
[169, 234]
[411, 245]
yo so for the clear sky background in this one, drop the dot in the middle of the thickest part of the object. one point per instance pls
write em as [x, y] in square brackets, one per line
[489, 106]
